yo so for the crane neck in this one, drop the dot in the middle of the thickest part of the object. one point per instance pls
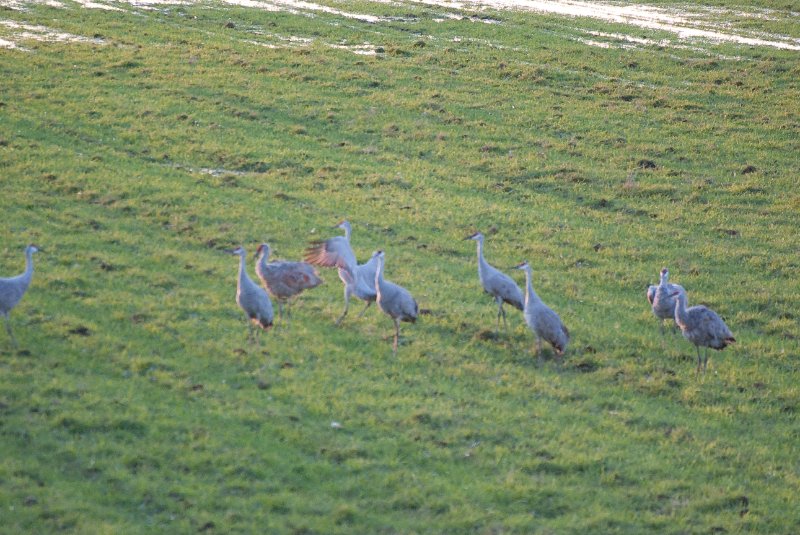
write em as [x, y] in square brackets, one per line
[263, 256]
[379, 273]
[680, 308]
[664, 279]
[481, 260]
[242, 267]
[347, 231]
[28, 264]
[530, 294]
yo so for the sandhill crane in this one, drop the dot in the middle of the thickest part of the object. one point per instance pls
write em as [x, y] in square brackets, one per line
[284, 280]
[13, 288]
[251, 298]
[358, 279]
[497, 284]
[661, 300]
[395, 301]
[702, 327]
[542, 320]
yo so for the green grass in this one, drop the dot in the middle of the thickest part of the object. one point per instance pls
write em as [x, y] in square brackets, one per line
[135, 404]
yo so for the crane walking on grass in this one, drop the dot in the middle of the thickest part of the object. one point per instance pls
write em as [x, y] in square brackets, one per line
[395, 301]
[661, 298]
[701, 326]
[358, 279]
[542, 320]
[284, 280]
[497, 284]
[13, 288]
[251, 298]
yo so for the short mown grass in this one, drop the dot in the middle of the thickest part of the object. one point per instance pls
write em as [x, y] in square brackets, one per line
[135, 404]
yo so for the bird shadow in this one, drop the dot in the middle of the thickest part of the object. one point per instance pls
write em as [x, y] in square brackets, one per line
[15, 351]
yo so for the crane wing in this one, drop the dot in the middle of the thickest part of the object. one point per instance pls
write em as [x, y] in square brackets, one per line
[334, 252]
[501, 285]
[298, 275]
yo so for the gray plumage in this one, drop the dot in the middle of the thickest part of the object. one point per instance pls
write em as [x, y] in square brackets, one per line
[497, 284]
[252, 298]
[661, 300]
[701, 326]
[284, 280]
[13, 288]
[394, 300]
[358, 279]
[542, 320]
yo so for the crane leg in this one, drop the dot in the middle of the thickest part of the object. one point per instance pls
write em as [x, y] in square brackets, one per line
[663, 338]
[538, 350]
[500, 312]
[699, 361]
[280, 310]
[10, 334]
[365, 309]
[346, 305]
[249, 329]
[396, 336]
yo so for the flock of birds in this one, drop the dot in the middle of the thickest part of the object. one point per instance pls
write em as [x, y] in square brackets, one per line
[699, 324]
[284, 280]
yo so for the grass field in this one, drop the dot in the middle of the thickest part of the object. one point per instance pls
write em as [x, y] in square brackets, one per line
[134, 155]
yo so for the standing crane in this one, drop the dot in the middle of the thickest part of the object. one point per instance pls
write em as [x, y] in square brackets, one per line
[395, 301]
[13, 288]
[701, 326]
[284, 280]
[497, 284]
[661, 300]
[358, 278]
[251, 298]
[542, 320]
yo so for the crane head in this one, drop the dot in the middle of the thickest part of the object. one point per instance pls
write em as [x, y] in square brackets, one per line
[33, 248]
[238, 251]
[522, 265]
[664, 271]
[476, 236]
[262, 248]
